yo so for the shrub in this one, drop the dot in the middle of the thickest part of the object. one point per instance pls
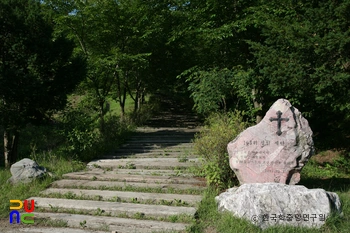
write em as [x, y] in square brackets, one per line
[143, 114]
[211, 144]
[117, 131]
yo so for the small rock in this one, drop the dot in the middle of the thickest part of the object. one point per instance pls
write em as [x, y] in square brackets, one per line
[26, 170]
[275, 150]
[270, 204]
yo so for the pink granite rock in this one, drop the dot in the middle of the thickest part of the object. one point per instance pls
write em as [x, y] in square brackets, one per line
[275, 150]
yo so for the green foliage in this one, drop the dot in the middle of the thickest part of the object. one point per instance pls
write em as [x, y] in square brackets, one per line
[335, 168]
[84, 140]
[37, 69]
[211, 144]
[144, 113]
[79, 130]
[302, 53]
[209, 89]
[298, 50]
[117, 44]
[36, 64]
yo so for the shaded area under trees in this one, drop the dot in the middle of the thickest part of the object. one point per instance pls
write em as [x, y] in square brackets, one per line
[37, 69]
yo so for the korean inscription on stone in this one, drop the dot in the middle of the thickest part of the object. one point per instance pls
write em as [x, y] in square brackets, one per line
[275, 150]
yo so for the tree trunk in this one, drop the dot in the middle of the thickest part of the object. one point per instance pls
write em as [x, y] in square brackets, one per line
[257, 105]
[10, 147]
[14, 150]
[102, 117]
[224, 104]
[121, 96]
[7, 151]
[140, 101]
[122, 102]
[136, 101]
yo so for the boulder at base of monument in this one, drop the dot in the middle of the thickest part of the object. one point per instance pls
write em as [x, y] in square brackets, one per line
[26, 170]
[275, 150]
[271, 204]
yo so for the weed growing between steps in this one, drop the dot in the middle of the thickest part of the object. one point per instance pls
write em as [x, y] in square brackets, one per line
[179, 218]
[194, 191]
[71, 195]
[50, 222]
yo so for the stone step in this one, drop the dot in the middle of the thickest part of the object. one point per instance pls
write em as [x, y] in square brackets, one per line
[112, 208]
[141, 155]
[105, 195]
[171, 115]
[37, 229]
[102, 185]
[159, 163]
[169, 146]
[152, 151]
[114, 224]
[125, 155]
[113, 176]
[184, 120]
[187, 136]
[145, 155]
[178, 173]
[167, 130]
[162, 142]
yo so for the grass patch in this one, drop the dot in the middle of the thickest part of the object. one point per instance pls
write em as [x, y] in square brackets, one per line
[57, 165]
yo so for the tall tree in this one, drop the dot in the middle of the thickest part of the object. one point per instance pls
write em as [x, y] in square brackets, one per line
[217, 45]
[37, 69]
[113, 37]
[259, 51]
[303, 54]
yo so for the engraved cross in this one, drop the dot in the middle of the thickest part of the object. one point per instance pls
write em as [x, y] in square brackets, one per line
[279, 119]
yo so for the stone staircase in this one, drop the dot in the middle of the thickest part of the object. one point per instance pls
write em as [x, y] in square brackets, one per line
[144, 186]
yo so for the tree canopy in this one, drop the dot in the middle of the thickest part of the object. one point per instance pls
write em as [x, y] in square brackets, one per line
[297, 50]
[227, 55]
[37, 69]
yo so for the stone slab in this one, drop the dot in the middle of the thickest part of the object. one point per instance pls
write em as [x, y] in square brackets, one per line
[148, 155]
[167, 130]
[160, 140]
[161, 163]
[110, 184]
[126, 196]
[187, 136]
[156, 172]
[120, 225]
[152, 145]
[96, 175]
[155, 152]
[275, 204]
[114, 208]
[37, 229]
